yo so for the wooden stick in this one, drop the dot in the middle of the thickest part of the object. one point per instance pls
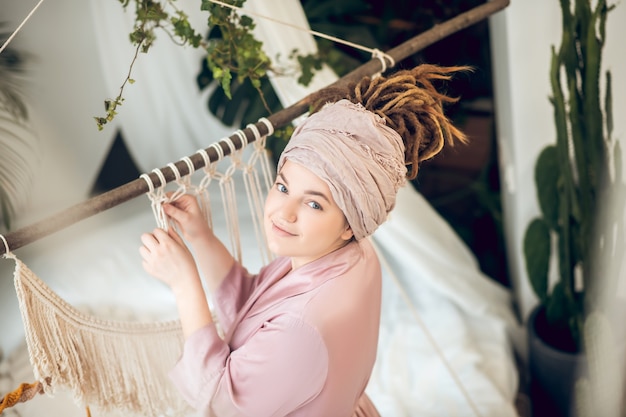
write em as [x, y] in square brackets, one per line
[139, 186]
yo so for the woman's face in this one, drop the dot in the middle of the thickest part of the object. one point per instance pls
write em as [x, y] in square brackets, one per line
[302, 220]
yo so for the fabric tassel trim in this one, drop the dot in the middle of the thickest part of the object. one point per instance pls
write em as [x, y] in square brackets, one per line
[105, 364]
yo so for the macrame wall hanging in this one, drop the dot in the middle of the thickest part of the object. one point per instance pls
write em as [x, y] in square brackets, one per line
[115, 366]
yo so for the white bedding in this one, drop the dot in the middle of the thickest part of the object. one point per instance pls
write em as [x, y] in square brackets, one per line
[96, 264]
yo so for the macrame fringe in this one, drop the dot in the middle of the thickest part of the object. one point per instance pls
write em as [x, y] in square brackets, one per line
[105, 364]
[116, 366]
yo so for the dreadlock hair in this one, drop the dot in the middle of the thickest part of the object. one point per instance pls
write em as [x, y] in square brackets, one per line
[410, 104]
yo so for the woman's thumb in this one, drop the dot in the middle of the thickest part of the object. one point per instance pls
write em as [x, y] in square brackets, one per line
[172, 211]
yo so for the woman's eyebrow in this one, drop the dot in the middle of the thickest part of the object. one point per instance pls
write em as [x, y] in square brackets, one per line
[310, 192]
[282, 177]
[318, 194]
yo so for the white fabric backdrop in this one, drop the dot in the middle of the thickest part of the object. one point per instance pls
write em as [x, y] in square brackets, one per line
[163, 118]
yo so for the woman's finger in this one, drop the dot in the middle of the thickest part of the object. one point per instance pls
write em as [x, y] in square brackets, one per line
[160, 235]
[144, 252]
[149, 240]
[174, 235]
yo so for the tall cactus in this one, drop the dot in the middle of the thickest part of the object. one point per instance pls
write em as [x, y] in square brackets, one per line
[572, 174]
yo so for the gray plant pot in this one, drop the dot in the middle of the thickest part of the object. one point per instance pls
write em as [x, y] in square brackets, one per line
[553, 372]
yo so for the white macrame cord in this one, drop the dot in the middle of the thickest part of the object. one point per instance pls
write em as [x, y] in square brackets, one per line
[114, 366]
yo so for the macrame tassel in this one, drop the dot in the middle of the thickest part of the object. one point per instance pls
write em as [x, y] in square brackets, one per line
[107, 365]
[259, 161]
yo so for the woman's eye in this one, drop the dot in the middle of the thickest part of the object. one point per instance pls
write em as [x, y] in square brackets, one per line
[314, 205]
[281, 188]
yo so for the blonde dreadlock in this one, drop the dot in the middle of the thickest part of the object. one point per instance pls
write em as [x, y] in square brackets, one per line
[410, 104]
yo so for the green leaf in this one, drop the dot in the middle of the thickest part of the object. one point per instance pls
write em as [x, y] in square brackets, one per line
[557, 307]
[247, 22]
[608, 104]
[225, 80]
[547, 174]
[537, 252]
[308, 64]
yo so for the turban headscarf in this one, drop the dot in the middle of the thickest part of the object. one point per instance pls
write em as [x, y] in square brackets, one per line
[357, 155]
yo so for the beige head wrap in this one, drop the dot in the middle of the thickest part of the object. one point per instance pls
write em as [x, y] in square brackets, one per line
[357, 155]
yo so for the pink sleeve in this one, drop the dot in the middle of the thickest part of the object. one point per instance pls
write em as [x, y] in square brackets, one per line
[283, 366]
[231, 295]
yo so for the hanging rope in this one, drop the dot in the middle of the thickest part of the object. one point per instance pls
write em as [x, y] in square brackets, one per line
[10, 38]
[376, 53]
[429, 336]
[135, 188]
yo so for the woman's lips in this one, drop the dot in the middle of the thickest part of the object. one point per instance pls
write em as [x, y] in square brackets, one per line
[280, 231]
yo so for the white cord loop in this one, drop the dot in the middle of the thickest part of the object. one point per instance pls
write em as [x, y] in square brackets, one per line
[242, 138]
[7, 250]
[158, 196]
[382, 57]
[261, 155]
[159, 174]
[219, 150]
[148, 180]
[190, 168]
[255, 131]
[175, 170]
[256, 170]
[231, 145]
[205, 156]
[268, 124]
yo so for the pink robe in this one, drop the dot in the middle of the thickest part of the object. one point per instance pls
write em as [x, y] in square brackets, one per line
[297, 343]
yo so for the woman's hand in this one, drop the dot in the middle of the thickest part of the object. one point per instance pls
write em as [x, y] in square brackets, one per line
[213, 259]
[167, 258]
[186, 215]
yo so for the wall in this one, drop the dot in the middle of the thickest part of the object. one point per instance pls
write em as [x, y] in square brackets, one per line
[62, 81]
[521, 38]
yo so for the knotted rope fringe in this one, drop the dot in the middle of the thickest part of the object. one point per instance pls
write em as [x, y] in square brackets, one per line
[109, 365]
[122, 366]
[254, 189]
[257, 177]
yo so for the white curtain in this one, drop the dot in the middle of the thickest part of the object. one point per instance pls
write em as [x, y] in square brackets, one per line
[164, 116]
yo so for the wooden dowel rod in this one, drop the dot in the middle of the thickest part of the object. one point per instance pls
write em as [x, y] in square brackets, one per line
[137, 187]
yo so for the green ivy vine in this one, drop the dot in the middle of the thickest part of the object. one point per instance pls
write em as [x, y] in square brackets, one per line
[233, 54]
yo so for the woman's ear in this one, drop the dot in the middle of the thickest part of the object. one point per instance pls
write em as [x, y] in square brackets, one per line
[347, 234]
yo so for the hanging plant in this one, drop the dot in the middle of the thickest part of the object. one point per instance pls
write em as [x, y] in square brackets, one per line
[234, 56]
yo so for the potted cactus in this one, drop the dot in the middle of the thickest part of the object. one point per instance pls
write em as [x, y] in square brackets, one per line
[572, 177]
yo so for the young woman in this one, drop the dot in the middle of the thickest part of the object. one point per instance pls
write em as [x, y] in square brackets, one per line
[300, 337]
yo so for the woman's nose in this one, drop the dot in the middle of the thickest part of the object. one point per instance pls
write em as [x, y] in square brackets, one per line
[288, 210]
